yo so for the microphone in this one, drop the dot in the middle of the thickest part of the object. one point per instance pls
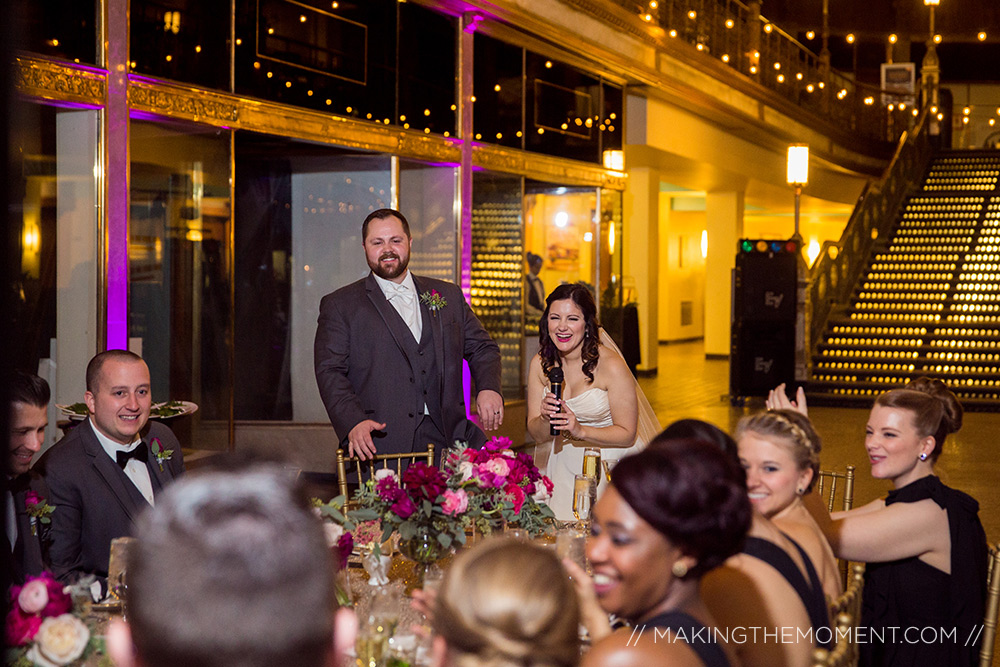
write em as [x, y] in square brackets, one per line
[556, 378]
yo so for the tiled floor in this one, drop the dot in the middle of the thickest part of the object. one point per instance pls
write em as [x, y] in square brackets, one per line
[688, 385]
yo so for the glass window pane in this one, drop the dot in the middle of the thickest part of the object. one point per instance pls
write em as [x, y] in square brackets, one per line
[499, 89]
[426, 69]
[179, 271]
[611, 126]
[563, 110]
[338, 59]
[427, 195]
[559, 226]
[299, 209]
[610, 252]
[65, 29]
[183, 40]
[54, 274]
[497, 270]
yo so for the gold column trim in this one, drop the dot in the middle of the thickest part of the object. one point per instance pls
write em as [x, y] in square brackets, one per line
[546, 168]
[48, 80]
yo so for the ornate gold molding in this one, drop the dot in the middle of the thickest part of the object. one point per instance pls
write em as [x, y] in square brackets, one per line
[50, 80]
[182, 102]
[546, 168]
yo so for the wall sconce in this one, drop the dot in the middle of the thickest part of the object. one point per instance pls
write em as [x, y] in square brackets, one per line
[797, 175]
[614, 160]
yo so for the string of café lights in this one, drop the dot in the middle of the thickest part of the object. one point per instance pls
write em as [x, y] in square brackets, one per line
[648, 15]
[572, 125]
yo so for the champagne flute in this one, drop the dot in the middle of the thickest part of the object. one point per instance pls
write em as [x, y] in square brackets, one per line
[582, 493]
[591, 462]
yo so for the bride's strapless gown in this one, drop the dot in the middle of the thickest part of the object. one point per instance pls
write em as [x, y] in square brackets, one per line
[565, 460]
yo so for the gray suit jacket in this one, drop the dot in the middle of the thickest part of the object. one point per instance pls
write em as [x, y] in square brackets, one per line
[363, 370]
[94, 500]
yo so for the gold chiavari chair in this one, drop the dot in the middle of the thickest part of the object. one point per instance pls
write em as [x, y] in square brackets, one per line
[992, 607]
[378, 462]
[844, 653]
[826, 486]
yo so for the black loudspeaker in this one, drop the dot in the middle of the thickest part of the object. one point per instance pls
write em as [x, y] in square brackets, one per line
[762, 350]
[766, 283]
[763, 356]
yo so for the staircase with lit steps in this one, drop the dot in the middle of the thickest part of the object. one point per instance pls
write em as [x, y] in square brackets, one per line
[929, 302]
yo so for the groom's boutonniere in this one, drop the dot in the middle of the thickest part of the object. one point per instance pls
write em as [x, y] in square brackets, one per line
[433, 300]
[159, 453]
[39, 510]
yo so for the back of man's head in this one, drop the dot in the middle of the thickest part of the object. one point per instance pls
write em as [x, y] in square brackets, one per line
[232, 570]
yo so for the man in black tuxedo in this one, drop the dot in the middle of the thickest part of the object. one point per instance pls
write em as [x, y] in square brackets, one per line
[108, 469]
[389, 351]
[26, 524]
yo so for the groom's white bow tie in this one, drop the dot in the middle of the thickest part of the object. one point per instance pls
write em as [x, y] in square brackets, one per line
[400, 291]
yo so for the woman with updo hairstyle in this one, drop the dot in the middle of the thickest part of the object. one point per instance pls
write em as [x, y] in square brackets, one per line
[924, 544]
[779, 450]
[506, 603]
[672, 513]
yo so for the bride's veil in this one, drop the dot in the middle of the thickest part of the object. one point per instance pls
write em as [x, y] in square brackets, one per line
[648, 426]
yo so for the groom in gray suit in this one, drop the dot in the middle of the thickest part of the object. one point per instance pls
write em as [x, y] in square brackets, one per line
[389, 351]
[109, 468]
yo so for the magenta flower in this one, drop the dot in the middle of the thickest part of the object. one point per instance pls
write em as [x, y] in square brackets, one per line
[388, 490]
[20, 628]
[516, 496]
[404, 507]
[423, 482]
[344, 547]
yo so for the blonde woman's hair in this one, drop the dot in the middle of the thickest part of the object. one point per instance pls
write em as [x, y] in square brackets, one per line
[508, 603]
[791, 429]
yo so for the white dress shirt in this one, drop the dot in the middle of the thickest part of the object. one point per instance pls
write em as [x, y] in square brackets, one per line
[404, 298]
[134, 470]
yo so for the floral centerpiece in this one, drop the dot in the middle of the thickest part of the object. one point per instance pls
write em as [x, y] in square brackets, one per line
[484, 488]
[41, 628]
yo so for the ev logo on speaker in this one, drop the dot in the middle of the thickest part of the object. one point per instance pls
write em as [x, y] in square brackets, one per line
[762, 365]
[772, 299]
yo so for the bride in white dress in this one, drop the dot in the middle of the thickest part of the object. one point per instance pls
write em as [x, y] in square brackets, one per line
[602, 405]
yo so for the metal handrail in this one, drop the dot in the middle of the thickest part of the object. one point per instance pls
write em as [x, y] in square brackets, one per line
[841, 264]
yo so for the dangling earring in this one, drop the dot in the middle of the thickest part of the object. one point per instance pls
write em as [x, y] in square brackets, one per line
[923, 456]
[679, 569]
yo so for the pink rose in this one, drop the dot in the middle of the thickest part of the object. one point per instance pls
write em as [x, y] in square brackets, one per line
[498, 467]
[455, 502]
[33, 597]
[21, 629]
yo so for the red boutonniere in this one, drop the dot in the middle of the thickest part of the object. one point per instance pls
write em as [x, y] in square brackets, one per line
[38, 510]
[159, 453]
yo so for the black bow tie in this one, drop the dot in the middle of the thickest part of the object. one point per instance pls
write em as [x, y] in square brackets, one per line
[139, 453]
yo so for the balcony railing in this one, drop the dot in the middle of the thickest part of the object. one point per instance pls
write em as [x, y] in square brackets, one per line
[747, 42]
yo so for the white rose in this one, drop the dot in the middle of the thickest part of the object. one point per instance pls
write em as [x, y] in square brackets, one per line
[466, 468]
[60, 641]
[382, 473]
[541, 494]
[333, 532]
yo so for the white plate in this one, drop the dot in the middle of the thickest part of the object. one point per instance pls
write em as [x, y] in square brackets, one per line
[75, 416]
[185, 407]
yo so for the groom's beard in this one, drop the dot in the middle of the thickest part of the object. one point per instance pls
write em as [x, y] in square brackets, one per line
[387, 272]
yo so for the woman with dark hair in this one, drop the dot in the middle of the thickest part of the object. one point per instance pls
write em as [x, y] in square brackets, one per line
[672, 513]
[601, 404]
[924, 544]
[770, 585]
